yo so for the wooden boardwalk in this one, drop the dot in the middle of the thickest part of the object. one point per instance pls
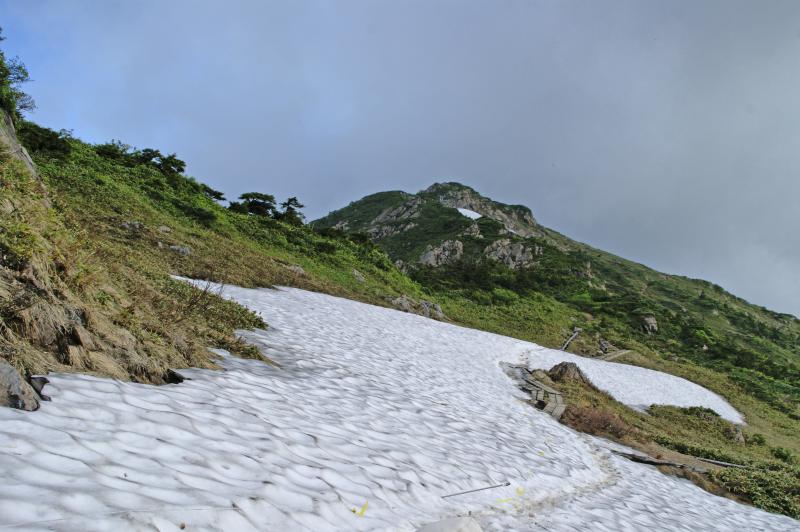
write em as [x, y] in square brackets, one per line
[543, 396]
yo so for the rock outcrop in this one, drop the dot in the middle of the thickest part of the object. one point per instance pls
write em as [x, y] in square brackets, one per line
[421, 307]
[473, 230]
[8, 138]
[405, 211]
[512, 254]
[516, 218]
[377, 232]
[448, 252]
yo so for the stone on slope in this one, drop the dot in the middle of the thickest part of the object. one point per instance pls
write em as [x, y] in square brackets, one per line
[14, 391]
[650, 324]
[568, 371]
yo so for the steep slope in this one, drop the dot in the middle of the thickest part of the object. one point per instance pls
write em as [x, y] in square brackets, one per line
[506, 261]
[89, 245]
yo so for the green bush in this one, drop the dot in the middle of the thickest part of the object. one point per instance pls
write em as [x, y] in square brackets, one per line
[43, 141]
[781, 453]
[504, 295]
[773, 491]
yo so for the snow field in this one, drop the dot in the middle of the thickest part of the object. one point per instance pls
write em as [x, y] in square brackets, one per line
[469, 214]
[373, 416]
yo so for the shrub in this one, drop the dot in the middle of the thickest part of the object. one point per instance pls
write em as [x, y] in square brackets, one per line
[595, 421]
[504, 295]
[784, 454]
[43, 141]
[756, 439]
[325, 247]
[774, 491]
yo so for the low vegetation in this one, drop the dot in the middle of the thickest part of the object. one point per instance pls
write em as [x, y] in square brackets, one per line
[771, 480]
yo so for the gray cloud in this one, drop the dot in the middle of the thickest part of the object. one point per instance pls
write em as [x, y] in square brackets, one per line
[667, 132]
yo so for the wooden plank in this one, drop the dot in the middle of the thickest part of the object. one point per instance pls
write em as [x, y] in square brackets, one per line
[723, 464]
[559, 410]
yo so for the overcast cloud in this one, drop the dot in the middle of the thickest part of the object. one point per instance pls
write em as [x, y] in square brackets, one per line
[667, 132]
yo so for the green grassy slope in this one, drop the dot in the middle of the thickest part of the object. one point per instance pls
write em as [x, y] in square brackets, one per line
[105, 237]
[605, 295]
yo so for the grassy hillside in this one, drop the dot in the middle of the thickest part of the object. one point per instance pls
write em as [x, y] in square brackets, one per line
[568, 284]
[104, 238]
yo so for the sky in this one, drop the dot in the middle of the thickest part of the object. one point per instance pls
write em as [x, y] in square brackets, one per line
[667, 132]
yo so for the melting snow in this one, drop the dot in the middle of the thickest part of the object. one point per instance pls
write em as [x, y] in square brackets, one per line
[470, 214]
[372, 418]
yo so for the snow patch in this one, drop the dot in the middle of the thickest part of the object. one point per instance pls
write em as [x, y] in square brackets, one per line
[470, 214]
[372, 417]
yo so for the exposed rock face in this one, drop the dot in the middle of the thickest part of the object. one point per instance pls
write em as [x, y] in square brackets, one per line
[512, 254]
[377, 232]
[450, 251]
[358, 275]
[409, 209]
[650, 324]
[8, 138]
[341, 225]
[473, 230]
[518, 220]
[14, 391]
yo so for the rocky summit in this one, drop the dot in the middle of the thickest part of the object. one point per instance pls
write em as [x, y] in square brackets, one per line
[443, 224]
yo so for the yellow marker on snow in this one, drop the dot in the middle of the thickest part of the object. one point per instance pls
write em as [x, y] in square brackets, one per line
[541, 453]
[520, 492]
[363, 509]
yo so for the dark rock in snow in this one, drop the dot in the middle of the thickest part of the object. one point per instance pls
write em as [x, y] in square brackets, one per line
[15, 392]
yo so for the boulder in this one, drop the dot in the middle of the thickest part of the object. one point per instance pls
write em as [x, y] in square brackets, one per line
[650, 324]
[183, 251]
[132, 225]
[403, 303]
[296, 268]
[15, 392]
[359, 276]
[567, 371]
[164, 229]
